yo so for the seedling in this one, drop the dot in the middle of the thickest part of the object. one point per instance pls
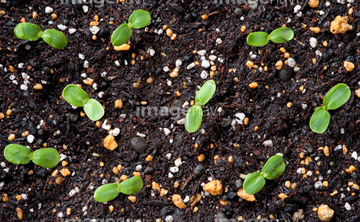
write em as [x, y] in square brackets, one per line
[45, 157]
[194, 115]
[32, 32]
[109, 191]
[279, 35]
[273, 168]
[76, 96]
[138, 19]
[336, 97]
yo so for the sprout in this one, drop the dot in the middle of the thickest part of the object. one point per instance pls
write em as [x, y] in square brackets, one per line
[138, 19]
[45, 157]
[32, 32]
[194, 116]
[110, 191]
[279, 35]
[76, 96]
[336, 97]
[273, 168]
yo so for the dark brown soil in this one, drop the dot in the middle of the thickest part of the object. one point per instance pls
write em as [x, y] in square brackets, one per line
[266, 107]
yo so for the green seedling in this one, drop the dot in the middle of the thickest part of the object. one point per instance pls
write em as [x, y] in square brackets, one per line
[110, 191]
[279, 35]
[336, 97]
[272, 169]
[45, 157]
[76, 96]
[32, 32]
[138, 19]
[194, 115]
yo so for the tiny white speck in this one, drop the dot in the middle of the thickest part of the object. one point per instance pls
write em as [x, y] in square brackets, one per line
[204, 74]
[106, 125]
[114, 132]
[297, 8]
[170, 175]
[201, 52]
[94, 29]
[313, 42]
[205, 64]
[62, 27]
[178, 162]
[178, 63]
[167, 131]
[86, 64]
[347, 206]
[85, 8]
[23, 87]
[48, 9]
[191, 65]
[72, 30]
[174, 169]
[168, 156]
[166, 69]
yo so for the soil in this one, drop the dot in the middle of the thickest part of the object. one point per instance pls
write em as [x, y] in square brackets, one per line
[54, 123]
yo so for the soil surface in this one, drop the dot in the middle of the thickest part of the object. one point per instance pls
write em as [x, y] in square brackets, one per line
[277, 111]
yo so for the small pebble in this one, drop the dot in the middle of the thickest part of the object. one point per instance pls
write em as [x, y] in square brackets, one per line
[110, 143]
[199, 170]
[48, 10]
[177, 200]
[313, 42]
[238, 11]
[138, 144]
[213, 187]
[242, 193]
[286, 74]
[205, 64]
[325, 213]
[19, 213]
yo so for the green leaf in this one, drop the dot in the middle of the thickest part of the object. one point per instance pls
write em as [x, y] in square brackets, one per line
[17, 154]
[273, 168]
[106, 192]
[121, 35]
[254, 183]
[46, 157]
[320, 120]
[75, 95]
[193, 119]
[27, 31]
[281, 35]
[131, 186]
[257, 39]
[139, 19]
[337, 96]
[54, 38]
[94, 110]
[205, 93]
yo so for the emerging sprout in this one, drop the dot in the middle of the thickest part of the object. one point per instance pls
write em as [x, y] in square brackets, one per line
[45, 157]
[194, 115]
[273, 168]
[138, 19]
[32, 32]
[336, 97]
[279, 35]
[76, 96]
[109, 191]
